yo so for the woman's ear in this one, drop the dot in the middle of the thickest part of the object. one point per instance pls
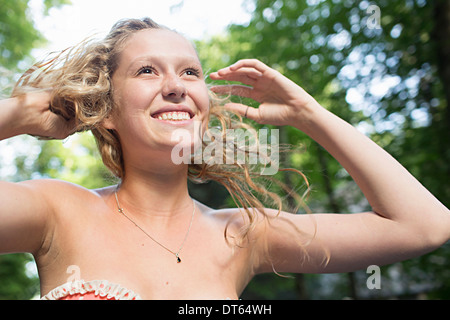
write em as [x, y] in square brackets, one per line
[108, 123]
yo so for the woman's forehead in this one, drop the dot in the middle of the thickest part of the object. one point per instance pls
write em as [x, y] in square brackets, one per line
[158, 42]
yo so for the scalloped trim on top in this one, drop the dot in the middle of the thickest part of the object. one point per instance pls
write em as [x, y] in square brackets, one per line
[100, 288]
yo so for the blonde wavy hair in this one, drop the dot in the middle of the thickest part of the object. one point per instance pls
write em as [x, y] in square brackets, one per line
[80, 79]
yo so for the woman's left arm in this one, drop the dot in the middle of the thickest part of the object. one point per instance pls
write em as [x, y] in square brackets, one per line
[407, 220]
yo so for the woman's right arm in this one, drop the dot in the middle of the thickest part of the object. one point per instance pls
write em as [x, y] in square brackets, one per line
[24, 209]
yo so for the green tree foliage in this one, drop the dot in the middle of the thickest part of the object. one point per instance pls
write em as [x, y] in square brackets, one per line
[15, 281]
[18, 37]
[17, 32]
[340, 51]
[384, 67]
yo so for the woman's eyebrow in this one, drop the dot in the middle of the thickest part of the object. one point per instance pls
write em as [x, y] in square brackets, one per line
[139, 60]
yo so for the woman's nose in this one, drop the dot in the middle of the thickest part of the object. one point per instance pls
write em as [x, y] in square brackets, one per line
[173, 88]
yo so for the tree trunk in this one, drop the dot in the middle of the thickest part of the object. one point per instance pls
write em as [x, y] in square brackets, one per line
[441, 35]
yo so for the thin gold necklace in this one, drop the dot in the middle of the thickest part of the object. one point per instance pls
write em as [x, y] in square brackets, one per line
[176, 254]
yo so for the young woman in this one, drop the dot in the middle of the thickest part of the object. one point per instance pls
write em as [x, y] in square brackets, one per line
[146, 237]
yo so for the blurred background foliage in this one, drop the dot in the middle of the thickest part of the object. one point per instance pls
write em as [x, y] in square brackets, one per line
[381, 65]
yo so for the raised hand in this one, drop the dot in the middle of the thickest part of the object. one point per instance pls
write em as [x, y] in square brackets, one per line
[31, 114]
[282, 102]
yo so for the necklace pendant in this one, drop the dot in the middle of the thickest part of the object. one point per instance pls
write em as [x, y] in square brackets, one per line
[178, 258]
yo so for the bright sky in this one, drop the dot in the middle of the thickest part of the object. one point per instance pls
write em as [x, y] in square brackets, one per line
[194, 18]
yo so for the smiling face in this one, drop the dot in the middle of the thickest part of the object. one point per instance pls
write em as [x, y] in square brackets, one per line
[159, 87]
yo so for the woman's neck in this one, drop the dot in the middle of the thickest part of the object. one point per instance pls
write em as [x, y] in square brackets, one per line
[159, 192]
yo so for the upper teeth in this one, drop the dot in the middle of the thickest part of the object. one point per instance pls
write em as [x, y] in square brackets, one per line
[174, 116]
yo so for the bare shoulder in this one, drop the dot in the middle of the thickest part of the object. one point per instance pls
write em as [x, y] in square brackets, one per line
[237, 220]
[59, 194]
[223, 216]
[241, 217]
[225, 220]
[55, 187]
[31, 212]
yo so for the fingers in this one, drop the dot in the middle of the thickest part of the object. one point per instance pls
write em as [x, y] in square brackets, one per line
[243, 110]
[234, 89]
[64, 128]
[256, 77]
[242, 91]
[246, 76]
[246, 71]
[54, 126]
[249, 63]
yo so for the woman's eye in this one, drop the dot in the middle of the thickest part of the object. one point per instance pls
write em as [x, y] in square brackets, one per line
[192, 72]
[146, 70]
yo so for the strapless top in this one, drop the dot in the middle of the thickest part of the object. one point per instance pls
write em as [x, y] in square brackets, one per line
[91, 290]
